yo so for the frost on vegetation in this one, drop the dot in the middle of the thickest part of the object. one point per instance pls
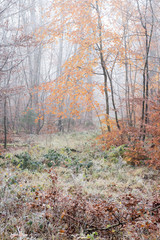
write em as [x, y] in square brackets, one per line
[89, 181]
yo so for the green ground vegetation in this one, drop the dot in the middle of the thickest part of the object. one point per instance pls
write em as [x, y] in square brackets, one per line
[79, 163]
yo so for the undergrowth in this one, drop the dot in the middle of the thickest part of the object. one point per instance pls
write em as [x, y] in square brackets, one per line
[77, 192]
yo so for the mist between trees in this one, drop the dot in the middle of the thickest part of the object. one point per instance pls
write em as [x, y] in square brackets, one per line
[76, 65]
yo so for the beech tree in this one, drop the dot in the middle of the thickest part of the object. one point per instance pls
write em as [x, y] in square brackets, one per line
[83, 26]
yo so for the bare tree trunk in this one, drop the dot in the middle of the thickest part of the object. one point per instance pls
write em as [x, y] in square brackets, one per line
[148, 38]
[5, 122]
[113, 101]
[59, 71]
[127, 92]
[100, 47]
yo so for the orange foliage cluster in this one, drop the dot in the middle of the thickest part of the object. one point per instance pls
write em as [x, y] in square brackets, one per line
[139, 152]
[84, 24]
[71, 94]
[153, 130]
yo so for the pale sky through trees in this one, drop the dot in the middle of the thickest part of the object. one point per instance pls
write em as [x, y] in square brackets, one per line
[75, 57]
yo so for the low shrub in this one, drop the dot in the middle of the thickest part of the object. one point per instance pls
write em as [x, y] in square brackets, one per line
[25, 161]
[115, 153]
[77, 164]
[53, 158]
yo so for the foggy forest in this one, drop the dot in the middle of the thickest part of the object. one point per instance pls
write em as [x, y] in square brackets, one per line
[79, 119]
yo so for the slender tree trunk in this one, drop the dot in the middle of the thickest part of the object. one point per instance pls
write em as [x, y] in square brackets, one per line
[113, 101]
[59, 71]
[127, 92]
[106, 99]
[100, 47]
[148, 38]
[5, 122]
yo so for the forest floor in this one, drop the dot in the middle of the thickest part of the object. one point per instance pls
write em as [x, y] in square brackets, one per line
[77, 167]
